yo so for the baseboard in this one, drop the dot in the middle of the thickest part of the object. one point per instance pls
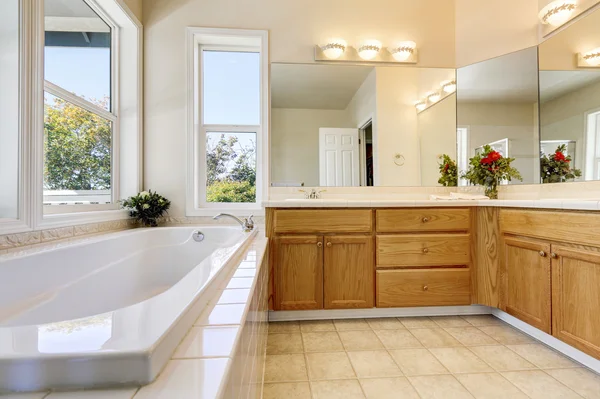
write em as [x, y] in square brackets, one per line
[290, 315]
[549, 340]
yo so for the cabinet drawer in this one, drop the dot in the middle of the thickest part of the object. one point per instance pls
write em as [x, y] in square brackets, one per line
[323, 221]
[433, 287]
[423, 250]
[422, 219]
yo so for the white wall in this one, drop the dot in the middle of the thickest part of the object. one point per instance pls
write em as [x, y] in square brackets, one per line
[437, 135]
[295, 142]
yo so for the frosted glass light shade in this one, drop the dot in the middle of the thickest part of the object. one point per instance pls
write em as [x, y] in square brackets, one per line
[369, 49]
[558, 12]
[449, 86]
[334, 49]
[592, 58]
[420, 105]
[403, 50]
[434, 97]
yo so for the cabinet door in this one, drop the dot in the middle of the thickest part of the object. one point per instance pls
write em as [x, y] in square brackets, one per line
[575, 298]
[349, 273]
[527, 278]
[298, 267]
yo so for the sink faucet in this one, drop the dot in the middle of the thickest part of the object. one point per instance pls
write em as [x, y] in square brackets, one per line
[247, 223]
[314, 194]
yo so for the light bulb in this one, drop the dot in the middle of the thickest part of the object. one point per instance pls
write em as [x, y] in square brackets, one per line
[449, 86]
[402, 51]
[420, 105]
[592, 58]
[369, 49]
[433, 97]
[558, 12]
[334, 49]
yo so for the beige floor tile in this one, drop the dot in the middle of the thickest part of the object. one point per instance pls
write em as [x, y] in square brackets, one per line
[326, 341]
[341, 389]
[360, 340]
[539, 385]
[434, 337]
[329, 366]
[316, 325]
[460, 360]
[397, 339]
[471, 336]
[484, 320]
[373, 364]
[583, 381]
[417, 322]
[501, 358]
[388, 323]
[417, 362]
[506, 335]
[290, 367]
[284, 327]
[287, 390]
[439, 387]
[543, 357]
[490, 386]
[278, 344]
[351, 324]
[450, 321]
[388, 388]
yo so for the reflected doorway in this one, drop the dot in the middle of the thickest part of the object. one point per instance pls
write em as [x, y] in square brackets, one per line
[365, 142]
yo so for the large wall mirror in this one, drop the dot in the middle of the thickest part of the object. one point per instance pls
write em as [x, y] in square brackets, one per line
[354, 125]
[570, 104]
[497, 105]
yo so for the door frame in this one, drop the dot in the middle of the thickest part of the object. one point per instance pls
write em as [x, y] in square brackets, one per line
[362, 156]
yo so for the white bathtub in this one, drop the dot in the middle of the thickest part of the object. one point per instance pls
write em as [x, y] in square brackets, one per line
[110, 310]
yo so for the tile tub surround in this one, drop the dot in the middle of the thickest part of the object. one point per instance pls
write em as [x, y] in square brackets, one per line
[472, 357]
[206, 363]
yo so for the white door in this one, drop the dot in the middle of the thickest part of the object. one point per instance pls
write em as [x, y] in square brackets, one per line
[338, 157]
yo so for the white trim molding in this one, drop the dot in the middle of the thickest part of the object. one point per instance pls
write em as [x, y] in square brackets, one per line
[235, 40]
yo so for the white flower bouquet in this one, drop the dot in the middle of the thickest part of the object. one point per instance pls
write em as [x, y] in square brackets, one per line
[147, 207]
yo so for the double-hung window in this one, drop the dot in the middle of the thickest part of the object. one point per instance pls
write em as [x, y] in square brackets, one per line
[227, 111]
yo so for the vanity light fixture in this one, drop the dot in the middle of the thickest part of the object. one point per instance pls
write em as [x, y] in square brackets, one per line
[420, 105]
[434, 96]
[403, 50]
[369, 49]
[334, 49]
[449, 86]
[557, 12]
[591, 58]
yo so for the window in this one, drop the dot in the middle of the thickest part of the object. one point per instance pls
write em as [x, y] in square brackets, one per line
[462, 153]
[592, 145]
[228, 68]
[79, 122]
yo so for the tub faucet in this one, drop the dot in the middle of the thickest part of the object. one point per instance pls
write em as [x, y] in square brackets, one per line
[246, 223]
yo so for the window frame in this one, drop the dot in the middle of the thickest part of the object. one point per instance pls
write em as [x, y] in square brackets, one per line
[234, 40]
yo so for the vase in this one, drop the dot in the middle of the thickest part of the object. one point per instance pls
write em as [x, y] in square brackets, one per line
[491, 191]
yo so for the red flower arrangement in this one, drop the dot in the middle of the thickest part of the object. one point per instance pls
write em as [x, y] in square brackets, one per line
[488, 169]
[556, 168]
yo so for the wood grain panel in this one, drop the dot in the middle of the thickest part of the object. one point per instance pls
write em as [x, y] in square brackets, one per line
[298, 264]
[423, 250]
[575, 298]
[428, 287]
[322, 221]
[528, 295]
[422, 220]
[575, 227]
[486, 264]
[348, 272]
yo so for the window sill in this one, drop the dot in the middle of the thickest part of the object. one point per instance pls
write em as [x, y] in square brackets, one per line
[77, 217]
[253, 209]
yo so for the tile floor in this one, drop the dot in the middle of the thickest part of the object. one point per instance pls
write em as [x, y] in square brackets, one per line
[427, 357]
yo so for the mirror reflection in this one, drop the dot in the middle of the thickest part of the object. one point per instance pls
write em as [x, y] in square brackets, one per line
[570, 104]
[349, 125]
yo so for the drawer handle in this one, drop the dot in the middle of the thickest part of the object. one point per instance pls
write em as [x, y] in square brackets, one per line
[542, 254]
[425, 250]
[329, 244]
[553, 255]
[319, 244]
[425, 219]
[425, 288]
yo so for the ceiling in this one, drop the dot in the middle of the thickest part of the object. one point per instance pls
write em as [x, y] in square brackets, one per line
[554, 84]
[68, 8]
[307, 86]
[511, 78]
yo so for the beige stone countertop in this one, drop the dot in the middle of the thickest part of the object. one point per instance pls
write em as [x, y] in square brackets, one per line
[573, 204]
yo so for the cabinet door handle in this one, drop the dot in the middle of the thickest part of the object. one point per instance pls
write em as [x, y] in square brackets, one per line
[425, 288]
[425, 250]
[425, 219]
[553, 255]
[542, 254]
[329, 244]
[319, 244]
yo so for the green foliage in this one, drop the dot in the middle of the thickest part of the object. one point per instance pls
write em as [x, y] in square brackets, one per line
[147, 206]
[489, 169]
[231, 171]
[231, 191]
[77, 148]
[556, 168]
[448, 171]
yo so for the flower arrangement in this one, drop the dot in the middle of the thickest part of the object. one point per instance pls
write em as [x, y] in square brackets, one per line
[556, 168]
[448, 171]
[147, 206]
[489, 168]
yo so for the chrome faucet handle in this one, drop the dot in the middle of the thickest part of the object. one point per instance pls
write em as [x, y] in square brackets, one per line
[249, 223]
